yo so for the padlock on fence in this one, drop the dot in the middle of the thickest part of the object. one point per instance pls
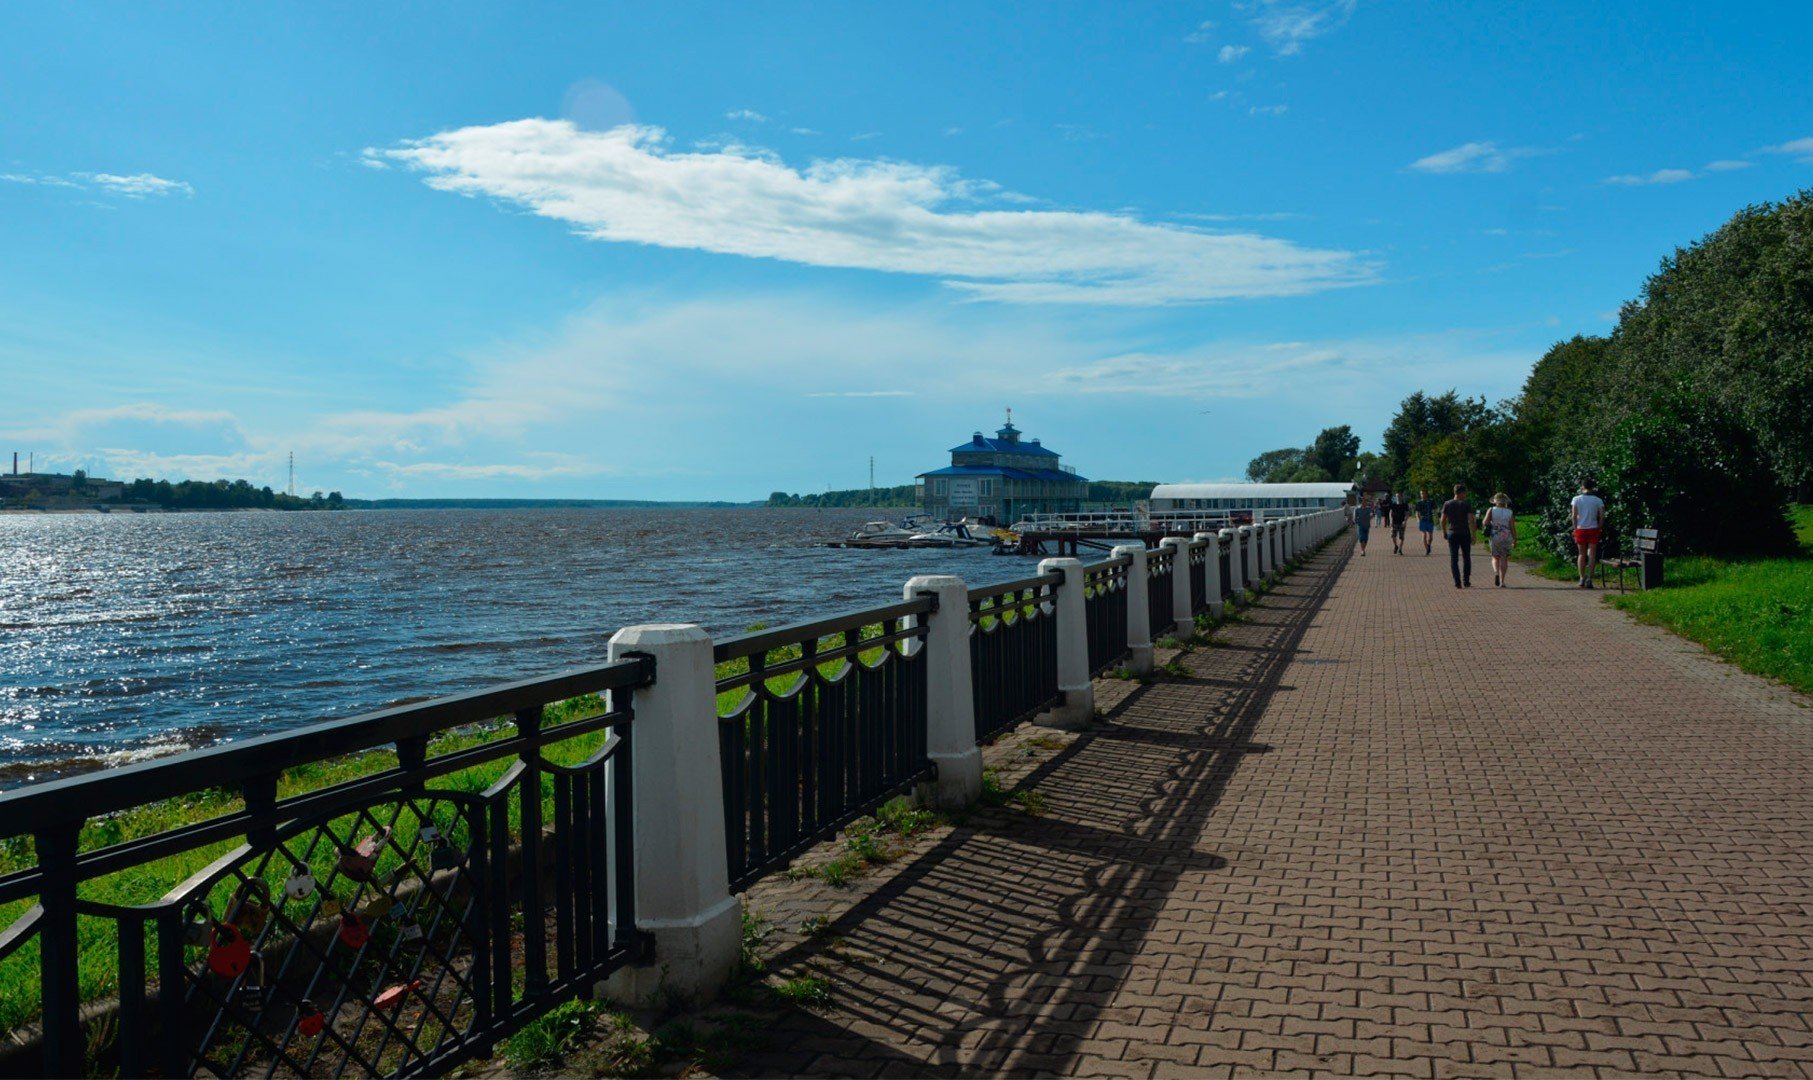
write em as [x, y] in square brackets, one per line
[310, 1020]
[353, 932]
[300, 885]
[230, 952]
[198, 926]
[252, 989]
[251, 907]
[359, 861]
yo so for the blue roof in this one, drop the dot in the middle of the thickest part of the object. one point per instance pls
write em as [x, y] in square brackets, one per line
[1008, 473]
[1002, 446]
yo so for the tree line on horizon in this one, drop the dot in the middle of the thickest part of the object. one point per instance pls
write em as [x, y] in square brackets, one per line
[218, 495]
[1694, 415]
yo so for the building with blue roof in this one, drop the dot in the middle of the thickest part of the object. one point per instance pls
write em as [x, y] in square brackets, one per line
[1002, 479]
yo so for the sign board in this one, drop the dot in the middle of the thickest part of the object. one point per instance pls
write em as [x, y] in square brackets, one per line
[963, 492]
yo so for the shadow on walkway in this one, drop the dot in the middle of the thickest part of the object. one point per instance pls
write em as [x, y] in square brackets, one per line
[1009, 944]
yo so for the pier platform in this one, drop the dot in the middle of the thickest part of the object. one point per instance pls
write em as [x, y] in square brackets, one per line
[1381, 826]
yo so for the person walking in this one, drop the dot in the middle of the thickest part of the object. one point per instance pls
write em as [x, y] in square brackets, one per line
[1400, 511]
[1500, 527]
[1362, 523]
[1458, 525]
[1588, 511]
[1425, 519]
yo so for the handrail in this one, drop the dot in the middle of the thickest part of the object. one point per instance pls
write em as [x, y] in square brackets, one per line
[985, 592]
[761, 641]
[77, 798]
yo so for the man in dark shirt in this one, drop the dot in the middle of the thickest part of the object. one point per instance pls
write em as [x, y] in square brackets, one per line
[1458, 526]
[1425, 519]
[1399, 513]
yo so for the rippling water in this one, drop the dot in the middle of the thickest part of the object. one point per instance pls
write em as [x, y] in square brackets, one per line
[130, 635]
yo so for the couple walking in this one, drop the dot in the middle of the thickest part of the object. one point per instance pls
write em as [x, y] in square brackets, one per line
[1460, 524]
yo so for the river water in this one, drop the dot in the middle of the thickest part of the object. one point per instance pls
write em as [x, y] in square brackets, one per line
[124, 636]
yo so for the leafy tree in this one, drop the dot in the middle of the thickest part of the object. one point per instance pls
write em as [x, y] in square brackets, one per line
[78, 483]
[1334, 451]
[1262, 468]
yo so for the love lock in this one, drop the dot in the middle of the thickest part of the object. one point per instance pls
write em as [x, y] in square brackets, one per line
[300, 885]
[329, 907]
[392, 997]
[411, 933]
[443, 856]
[379, 906]
[198, 926]
[310, 1021]
[251, 988]
[353, 931]
[250, 908]
[359, 862]
[230, 953]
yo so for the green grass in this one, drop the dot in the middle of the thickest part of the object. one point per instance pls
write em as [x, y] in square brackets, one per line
[1757, 613]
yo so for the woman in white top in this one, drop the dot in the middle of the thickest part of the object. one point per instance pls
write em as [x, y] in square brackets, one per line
[1500, 526]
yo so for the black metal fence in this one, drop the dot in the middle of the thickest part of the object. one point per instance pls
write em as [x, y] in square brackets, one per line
[1246, 561]
[1013, 652]
[1105, 611]
[392, 912]
[818, 724]
[1160, 600]
[1227, 577]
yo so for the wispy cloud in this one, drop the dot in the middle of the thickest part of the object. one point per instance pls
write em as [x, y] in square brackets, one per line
[1474, 157]
[1728, 165]
[750, 115]
[1202, 35]
[805, 131]
[1285, 25]
[1660, 176]
[135, 186]
[1231, 53]
[627, 186]
[1800, 149]
[1268, 110]
[1274, 215]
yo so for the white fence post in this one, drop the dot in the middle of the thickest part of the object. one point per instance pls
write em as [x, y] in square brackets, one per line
[1139, 612]
[1231, 539]
[1181, 599]
[682, 873]
[1077, 710]
[950, 714]
[1212, 572]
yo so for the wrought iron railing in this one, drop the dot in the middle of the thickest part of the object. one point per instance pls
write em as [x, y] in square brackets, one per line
[1013, 652]
[1199, 575]
[398, 920]
[1246, 561]
[818, 724]
[1227, 577]
[1160, 600]
[1105, 611]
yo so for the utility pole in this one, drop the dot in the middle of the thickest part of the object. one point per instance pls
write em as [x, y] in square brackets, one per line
[292, 474]
[871, 472]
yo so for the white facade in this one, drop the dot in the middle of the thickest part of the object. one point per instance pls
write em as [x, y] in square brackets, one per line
[1269, 500]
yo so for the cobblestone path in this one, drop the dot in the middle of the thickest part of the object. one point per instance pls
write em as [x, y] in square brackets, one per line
[1385, 827]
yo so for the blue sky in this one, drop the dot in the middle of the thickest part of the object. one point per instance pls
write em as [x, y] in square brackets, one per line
[688, 251]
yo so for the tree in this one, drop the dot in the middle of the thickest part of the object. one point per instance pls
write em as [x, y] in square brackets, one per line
[1262, 468]
[1334, 450]
[78, 483]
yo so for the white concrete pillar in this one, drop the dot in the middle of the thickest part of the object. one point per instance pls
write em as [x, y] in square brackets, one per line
[682, 876]
[950, 709]
[1255, 561]
[1274, 542]
[1077, 710]
[1232, 540]
[1139, 611]
[1211, 571]
[1182, 603]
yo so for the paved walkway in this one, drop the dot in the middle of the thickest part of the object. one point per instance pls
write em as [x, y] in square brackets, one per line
[1385, 827]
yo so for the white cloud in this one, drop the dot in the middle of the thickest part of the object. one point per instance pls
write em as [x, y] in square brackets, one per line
[805, 131]
[140, 185]
[1268, 110]
[1274, 215]
[1231, 53]
[628, 186]
[44, 181]
[746, 114]
[1800, 149]
[1660, 176]
[1473, 157]
[1203, 33]
[1285, 26]
[1727, 165]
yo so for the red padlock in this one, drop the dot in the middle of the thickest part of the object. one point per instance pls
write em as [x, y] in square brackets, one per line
[353, 931]
[310, 1021]
[230, 952]
[359, 862]
[392, 996]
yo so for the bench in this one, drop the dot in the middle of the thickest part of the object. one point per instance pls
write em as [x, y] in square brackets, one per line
[1644, 542]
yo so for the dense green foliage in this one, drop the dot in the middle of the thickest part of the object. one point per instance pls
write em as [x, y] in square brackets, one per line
[1334, 455]
[899, 495]
[1695, 415]
[1119, 492]
[224, 495]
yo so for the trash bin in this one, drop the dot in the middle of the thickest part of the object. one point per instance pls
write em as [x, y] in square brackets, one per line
[1649, 570]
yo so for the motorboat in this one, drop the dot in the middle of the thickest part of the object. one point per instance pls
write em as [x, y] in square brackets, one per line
[886, 533]
[949, 534]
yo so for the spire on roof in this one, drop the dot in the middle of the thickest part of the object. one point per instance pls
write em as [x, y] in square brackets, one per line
[1009, 433]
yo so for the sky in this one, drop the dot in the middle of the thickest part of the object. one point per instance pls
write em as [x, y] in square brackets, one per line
[682, 251]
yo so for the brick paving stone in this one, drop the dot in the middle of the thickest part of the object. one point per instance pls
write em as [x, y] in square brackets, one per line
[1382, 826]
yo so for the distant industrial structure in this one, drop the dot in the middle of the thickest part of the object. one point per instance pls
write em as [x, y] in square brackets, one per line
[1001, 480]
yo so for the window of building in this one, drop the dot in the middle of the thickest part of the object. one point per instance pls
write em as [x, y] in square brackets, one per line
[988, 487]
[938, 487]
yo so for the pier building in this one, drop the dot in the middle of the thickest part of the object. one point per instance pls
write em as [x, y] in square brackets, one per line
[1002, 479]
[1260, 501]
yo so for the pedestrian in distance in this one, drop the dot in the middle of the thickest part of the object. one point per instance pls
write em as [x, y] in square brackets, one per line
[1425, 519]
[1500, 527]
[1588, 511]
[1400, 512]
[1459, 525]
[1362, 523]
